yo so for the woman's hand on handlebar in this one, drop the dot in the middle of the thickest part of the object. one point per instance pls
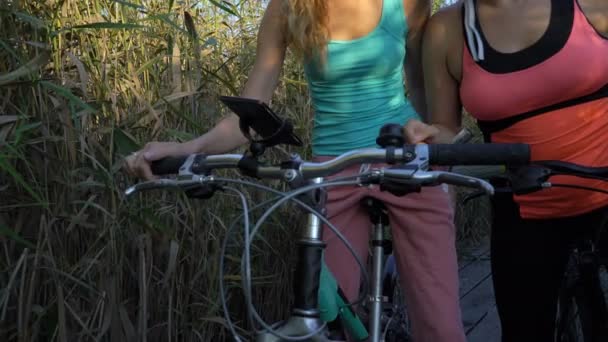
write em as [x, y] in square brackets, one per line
[417, 132]
[225, 136]
[138, 163]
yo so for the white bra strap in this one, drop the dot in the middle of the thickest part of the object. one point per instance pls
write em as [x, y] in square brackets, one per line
[473, 36]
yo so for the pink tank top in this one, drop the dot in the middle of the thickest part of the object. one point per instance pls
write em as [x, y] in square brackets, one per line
[552, 95]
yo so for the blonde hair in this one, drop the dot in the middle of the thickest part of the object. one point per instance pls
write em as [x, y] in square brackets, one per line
[307, 27]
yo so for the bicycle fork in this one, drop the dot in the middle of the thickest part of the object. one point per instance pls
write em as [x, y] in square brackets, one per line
[305, 317]
[590, 292]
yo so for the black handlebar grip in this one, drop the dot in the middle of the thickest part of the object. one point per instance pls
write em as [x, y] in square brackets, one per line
[479, 154]
[167, 166]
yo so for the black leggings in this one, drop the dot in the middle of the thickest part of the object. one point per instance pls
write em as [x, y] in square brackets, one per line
[528, 261]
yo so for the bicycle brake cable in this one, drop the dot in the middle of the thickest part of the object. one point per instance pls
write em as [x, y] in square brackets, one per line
[290, 197]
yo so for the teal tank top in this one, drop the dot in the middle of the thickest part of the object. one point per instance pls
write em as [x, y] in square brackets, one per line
[360, 88]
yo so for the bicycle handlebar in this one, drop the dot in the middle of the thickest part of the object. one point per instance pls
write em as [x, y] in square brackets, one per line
[532, 177]
[552, 167]
[167, 165]
[439, 154]
[479, 154]
[195, 169]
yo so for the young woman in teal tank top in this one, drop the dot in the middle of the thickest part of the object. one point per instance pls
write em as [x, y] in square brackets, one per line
[354, 55]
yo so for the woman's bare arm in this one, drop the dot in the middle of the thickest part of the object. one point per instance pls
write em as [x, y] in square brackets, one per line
[226, 135]
[417, 13]
[262, 82]
[442, 95]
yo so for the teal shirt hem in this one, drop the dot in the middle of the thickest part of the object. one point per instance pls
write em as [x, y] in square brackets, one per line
[355, 139]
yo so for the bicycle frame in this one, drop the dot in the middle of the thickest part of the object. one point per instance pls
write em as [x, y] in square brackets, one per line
[379, 220]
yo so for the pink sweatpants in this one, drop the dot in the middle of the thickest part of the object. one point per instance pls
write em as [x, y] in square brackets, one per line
[423, 234]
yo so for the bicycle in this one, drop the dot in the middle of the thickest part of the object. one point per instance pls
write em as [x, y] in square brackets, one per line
[407, 170]
[582, 312]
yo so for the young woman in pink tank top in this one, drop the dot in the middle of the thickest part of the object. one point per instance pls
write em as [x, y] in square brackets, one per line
[535, 72]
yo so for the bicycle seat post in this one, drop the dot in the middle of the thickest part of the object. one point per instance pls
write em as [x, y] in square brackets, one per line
[379, 219]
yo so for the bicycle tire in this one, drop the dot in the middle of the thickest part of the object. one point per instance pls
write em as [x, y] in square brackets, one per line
[578, 306]
[603, 279]
[569, 325]
[397, 326]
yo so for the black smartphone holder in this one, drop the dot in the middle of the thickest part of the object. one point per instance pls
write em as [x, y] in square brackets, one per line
[257, 116]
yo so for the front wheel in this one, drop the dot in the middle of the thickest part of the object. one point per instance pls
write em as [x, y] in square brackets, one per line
[582, 312]
[397, 326]
[569, 327]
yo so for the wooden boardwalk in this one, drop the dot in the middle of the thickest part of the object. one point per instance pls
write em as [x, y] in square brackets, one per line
[477, 296]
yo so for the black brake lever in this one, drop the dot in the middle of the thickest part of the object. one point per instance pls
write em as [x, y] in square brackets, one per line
[528, 179]
[473, 195]
[479, 193]
[203, 192]
[400, 189]
[519, 181]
